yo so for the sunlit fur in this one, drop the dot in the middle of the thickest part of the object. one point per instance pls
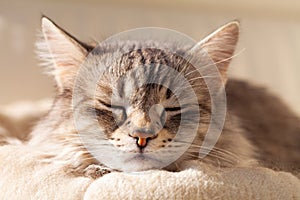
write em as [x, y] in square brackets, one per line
[57, 130]
[64, 55]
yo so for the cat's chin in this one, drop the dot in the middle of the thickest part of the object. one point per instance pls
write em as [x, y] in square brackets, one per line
[141, 163]
[137, 163]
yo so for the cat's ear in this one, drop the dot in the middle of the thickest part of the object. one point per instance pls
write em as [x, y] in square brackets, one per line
[61, 53]
[219, 46]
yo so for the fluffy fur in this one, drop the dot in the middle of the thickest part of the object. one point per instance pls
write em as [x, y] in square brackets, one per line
[117, 119]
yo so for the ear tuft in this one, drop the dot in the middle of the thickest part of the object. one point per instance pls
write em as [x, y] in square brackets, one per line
[60, 52]
[220, 46]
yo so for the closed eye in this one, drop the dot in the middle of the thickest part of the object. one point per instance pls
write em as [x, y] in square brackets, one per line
[111, 106]
[119, 112]
[173, 109]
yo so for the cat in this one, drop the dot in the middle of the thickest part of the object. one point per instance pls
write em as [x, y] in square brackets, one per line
[259, 129]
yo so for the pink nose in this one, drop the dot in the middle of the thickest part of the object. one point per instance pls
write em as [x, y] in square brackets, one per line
[142, 137]
[142, 142]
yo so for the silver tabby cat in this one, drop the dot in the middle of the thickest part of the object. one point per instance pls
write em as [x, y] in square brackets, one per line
[258, 130]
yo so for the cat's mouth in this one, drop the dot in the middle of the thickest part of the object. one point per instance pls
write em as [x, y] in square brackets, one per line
[142, 157]
[141, 151]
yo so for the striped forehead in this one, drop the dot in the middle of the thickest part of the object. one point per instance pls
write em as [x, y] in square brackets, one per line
[129, 75]
[139, 83]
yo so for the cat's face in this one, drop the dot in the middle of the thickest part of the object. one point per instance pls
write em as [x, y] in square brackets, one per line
[143, 109]
[139, 110]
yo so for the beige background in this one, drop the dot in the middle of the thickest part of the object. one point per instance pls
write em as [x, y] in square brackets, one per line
[270, 37]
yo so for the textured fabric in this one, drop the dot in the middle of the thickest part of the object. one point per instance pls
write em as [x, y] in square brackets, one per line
[23, 175]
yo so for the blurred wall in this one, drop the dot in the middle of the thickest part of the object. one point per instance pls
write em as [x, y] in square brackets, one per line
[268, 52]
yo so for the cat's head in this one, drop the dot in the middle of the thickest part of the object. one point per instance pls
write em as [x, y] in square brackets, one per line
[129, 100]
